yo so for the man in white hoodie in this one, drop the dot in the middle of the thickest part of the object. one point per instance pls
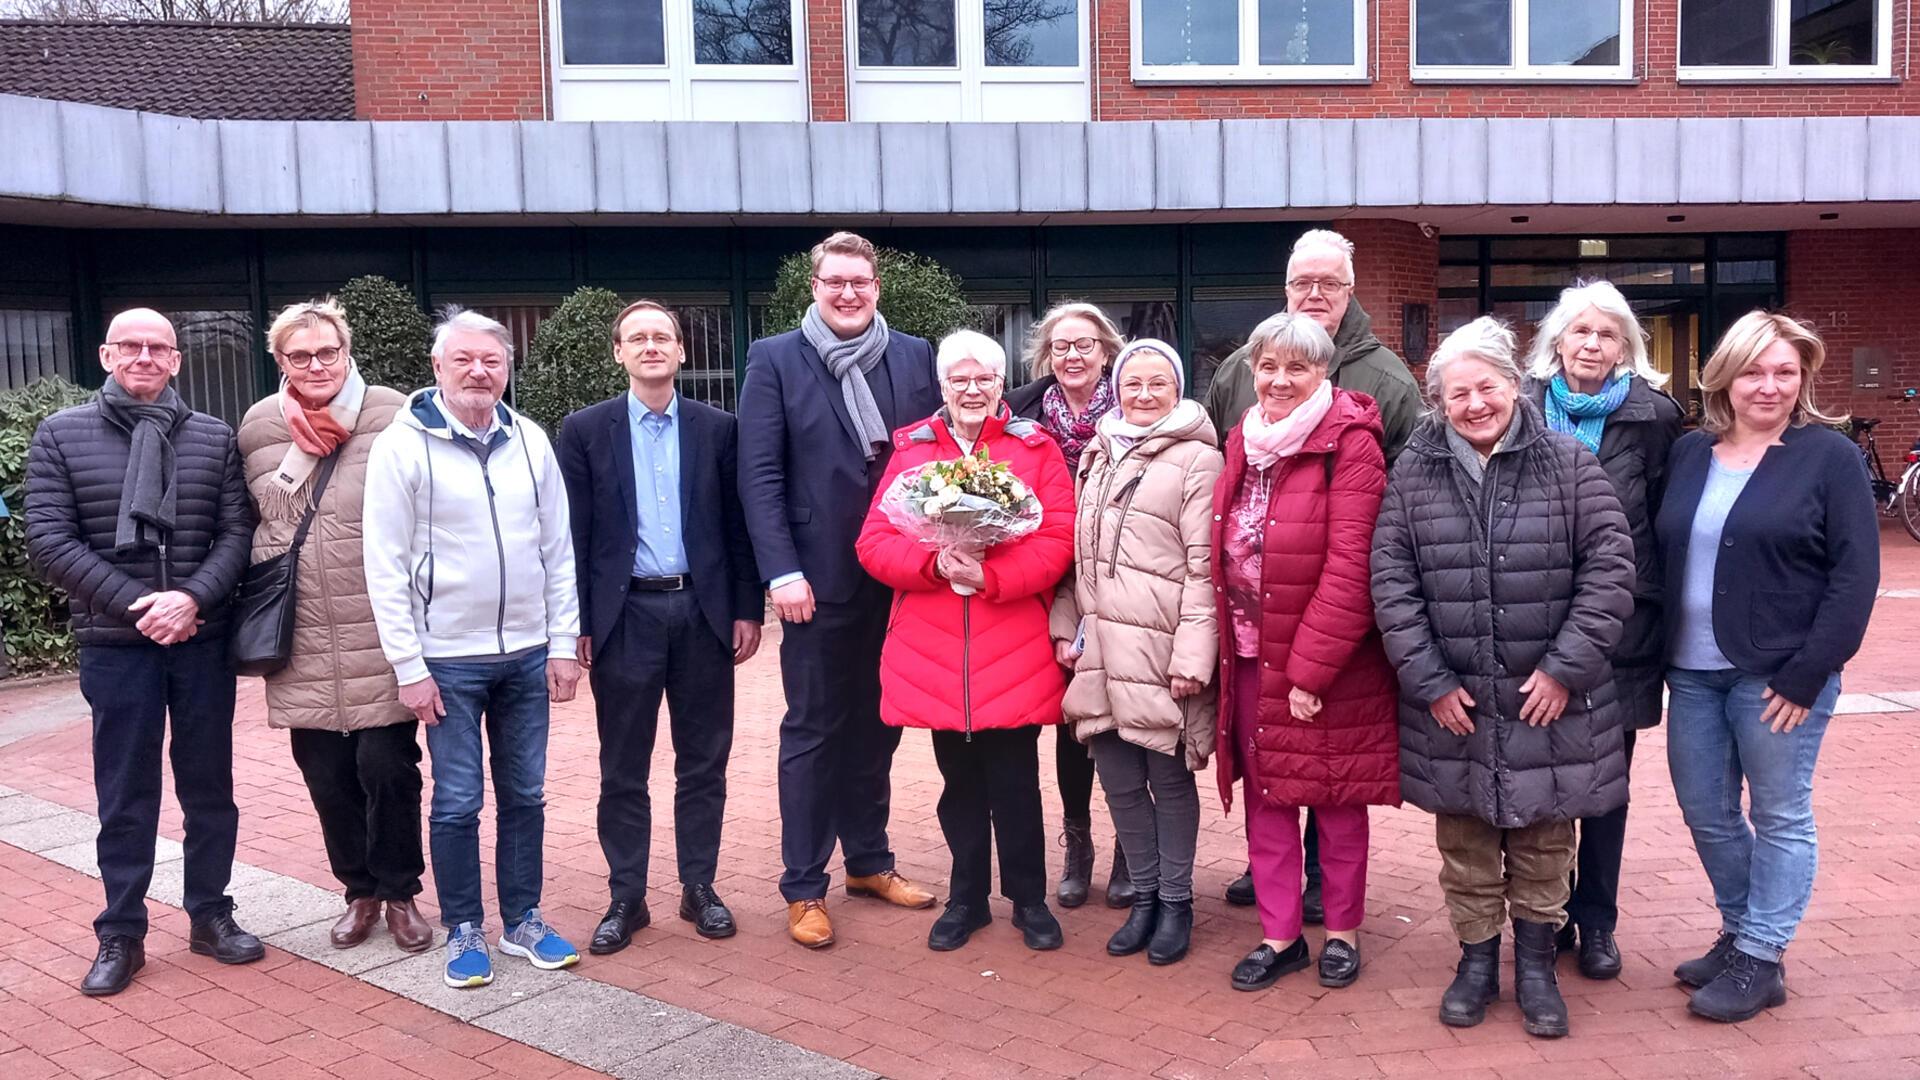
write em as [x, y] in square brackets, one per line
[469, 562]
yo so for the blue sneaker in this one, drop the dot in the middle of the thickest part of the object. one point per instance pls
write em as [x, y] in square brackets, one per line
[468, 963]
[536, 941]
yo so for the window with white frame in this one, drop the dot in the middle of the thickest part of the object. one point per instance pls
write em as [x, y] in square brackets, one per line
[678, 59]
[1249, 40]
[968, 60]
[1523, 39]
[1794, 39]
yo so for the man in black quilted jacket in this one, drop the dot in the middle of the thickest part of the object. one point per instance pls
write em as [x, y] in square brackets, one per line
[137, 509]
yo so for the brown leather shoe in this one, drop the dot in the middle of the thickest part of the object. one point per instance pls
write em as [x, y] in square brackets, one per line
[807, 922]
[891, 887]
[409, 928]
[356, 924]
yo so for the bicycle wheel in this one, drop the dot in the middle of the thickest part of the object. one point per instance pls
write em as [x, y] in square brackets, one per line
[1909, 501]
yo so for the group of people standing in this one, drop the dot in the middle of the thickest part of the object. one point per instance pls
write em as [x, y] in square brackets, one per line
[1341, 601]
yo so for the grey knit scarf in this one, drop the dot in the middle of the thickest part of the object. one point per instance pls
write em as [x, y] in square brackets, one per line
[148, 492]
[849, 359]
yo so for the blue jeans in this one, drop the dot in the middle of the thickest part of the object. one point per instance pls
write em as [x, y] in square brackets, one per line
[512, 698]
[1762, 872]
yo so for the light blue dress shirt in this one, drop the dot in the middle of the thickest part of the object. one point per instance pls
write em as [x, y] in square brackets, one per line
[662, 551]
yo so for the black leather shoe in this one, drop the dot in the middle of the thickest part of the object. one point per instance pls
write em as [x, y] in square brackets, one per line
[1313, 911]
[1038, 927]
[221, 938]
[955, 925]
[701, 906]
[119, 957]
[1339, 963]
[1702, 970]
[1240, 893]
[1536, 987]
[1599, 956]
[617, 926]
[1743, 988]
[1264, 966]
[1134, 934]
[1172, 932]
[1476, 981]
[1567, 939]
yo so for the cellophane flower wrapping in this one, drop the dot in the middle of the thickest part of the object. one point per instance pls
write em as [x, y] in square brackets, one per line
[969, 504]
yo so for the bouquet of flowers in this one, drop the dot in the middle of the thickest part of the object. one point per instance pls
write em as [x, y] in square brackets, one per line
[968, 504]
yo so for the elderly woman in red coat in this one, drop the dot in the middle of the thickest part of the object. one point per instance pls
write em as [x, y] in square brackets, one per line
[967, 652]
[1308, 703]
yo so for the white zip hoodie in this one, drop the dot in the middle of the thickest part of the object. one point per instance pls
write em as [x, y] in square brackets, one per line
[465, 560]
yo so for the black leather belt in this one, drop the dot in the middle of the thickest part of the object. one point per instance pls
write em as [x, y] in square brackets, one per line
[660, 584]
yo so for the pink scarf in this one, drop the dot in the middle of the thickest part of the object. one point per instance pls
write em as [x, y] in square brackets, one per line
[1267, 443]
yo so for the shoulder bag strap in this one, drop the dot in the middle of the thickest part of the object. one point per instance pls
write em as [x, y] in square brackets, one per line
[319, 489]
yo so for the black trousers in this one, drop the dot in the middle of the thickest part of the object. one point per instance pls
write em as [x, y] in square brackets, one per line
[1073, 769]
[992, 795]
[135, 691]
[1596, 872]
[662, 646]
[366, 788]
[836, 757]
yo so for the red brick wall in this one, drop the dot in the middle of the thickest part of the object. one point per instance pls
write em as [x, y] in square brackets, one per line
[1861, 288]
[478, 60]
[1392, 93]
[827, 58]
[1393, 265]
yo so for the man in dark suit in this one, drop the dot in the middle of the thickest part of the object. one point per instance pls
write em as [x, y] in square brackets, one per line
[670, 602]
[816, 420]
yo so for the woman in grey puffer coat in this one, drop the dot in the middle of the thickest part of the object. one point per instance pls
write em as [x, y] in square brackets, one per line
[1502, 571]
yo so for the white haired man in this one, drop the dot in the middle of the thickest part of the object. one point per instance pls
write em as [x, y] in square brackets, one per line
[469, 562]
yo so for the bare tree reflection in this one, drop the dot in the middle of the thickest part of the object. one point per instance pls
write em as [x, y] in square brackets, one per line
[1010, 25]
[742, 32]
[906, 33]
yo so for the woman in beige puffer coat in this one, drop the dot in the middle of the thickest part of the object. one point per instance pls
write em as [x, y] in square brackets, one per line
[1135, 620]
[356, 746]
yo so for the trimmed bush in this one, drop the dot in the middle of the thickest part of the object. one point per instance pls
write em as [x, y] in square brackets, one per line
[33, 613]
[391, 335]
[570, 363]
[917, 295]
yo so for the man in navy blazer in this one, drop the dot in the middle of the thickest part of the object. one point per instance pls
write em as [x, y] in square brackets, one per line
[670, 602]
[816, 420]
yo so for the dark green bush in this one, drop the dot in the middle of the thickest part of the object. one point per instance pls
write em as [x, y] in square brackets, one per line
[917, 295]
[33, 613]
[570, 363]
[391, 335]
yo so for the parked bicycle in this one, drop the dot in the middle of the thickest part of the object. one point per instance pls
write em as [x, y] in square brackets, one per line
[1897, 498]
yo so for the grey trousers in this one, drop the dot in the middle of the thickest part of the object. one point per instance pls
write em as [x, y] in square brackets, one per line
[1156, 814]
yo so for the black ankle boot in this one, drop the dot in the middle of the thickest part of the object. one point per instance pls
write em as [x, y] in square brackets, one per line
[1077, 875]
[1134, 934]
[1702, 970]
[1119, 885]
[1743, 988]
[1172, 932]
[1599, 956]
[1475, 983]
[1535, 985]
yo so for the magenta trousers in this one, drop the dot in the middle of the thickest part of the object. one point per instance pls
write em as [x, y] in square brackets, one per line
[1273, 839]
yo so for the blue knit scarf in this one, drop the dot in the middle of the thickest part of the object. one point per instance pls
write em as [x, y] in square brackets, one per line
[1584, 416]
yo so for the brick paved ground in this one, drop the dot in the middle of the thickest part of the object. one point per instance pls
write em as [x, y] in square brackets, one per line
[879, 999]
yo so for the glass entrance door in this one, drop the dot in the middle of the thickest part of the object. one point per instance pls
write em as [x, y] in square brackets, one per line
[1673, 345]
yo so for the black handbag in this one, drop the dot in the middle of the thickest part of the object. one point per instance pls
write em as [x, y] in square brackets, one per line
[263, 606]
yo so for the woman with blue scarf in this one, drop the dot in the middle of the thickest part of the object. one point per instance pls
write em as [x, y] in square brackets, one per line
[1589, 372]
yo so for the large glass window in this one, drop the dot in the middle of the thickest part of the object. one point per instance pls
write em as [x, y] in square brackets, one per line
[742, 32]
[34, 344]
[217, 369]
[907, 33]
[1813, 39]
[645, 33]
[931, 33]
[1539, 39]
[612, 32]
[1032, 33]
[1260, 40]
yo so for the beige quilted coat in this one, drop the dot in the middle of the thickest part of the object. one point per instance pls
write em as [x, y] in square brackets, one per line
[338, 680]
[1142, 589]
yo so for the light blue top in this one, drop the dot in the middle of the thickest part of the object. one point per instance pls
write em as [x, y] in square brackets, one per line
[662, 551]
[1695, 647]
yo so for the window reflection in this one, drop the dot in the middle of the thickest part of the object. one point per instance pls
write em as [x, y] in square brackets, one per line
[1464, 33]
[1736, 33]
[1579, 33]
[906, 33]
[1306, 31]
[612, 32]
[1032, 33]
[1190, 31]
[742, 32]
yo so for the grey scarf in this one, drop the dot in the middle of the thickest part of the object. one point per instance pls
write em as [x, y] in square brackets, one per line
[147, 493]
[849, 359]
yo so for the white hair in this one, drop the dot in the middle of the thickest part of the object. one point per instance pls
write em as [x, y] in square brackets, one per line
[1485, 338]
[455, 319]
[1290, 334]
[1543, 358]
[1323, 240]
[969, 345]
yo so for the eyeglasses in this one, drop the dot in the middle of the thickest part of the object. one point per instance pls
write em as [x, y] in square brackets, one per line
[1132, 387]
[1327, 286]
[328, 357]
[983, 382]
[836, 285]
[662, 339]
[1062, 346]
[129, 350]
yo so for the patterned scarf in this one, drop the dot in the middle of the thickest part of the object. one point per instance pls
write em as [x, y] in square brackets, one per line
[1072, 432]
[1584, 416]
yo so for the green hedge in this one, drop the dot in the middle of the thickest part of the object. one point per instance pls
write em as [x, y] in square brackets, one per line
[570, 364]
[33, 613]
[917, 295]
[391, 336]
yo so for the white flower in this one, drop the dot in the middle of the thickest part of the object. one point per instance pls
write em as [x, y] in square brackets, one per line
[1016, 488]
[930, 507]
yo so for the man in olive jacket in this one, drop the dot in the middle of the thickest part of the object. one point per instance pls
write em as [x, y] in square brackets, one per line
[1320, 286]
[137, 509]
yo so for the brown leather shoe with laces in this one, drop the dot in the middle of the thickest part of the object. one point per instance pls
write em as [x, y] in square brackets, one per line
[891, 887]
[808, 924]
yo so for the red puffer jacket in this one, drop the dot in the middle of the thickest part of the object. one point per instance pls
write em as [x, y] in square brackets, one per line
[966, 663]
[1316, 622]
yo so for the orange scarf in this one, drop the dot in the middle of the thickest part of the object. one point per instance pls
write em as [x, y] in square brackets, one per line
[313, 427]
